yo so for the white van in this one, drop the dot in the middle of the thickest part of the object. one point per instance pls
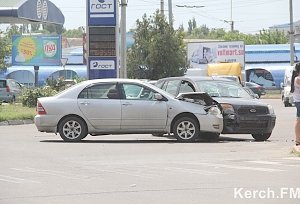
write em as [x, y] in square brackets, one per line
[286, 95]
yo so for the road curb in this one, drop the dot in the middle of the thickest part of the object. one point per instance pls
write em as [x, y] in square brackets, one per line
[16, 122]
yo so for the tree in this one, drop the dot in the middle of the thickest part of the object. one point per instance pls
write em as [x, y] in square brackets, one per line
[5, 50]
[158, 50]
[54, 29]
[263, 37]
[73, 33]
[5, 43]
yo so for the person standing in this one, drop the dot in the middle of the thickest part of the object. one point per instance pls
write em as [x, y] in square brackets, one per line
[295, 89]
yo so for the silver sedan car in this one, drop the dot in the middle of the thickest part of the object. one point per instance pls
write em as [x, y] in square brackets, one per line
[124, 106]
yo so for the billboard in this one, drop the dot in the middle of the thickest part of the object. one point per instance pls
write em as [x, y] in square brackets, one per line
[202, 53]
[36, 50]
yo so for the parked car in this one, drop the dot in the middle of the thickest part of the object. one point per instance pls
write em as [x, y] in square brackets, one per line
[119, 106]
[286, 95]
[250, 92]
[256, 88]
[242, 113]
[9, 90]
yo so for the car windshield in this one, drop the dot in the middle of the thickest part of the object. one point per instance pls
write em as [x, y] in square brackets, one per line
[217, 88]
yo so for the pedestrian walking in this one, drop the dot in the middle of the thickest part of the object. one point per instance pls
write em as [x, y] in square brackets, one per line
[295, 89]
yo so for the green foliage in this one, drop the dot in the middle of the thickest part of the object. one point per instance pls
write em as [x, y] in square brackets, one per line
[29, 96]
[158, 50]
[5, 50]
[263, 37]
[73, 33]
[16, 112]
[54, 29]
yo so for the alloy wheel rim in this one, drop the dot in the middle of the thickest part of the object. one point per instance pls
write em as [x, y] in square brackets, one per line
[186, 130]
[72, 129]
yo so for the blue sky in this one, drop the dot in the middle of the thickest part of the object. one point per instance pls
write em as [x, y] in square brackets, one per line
[249, 16]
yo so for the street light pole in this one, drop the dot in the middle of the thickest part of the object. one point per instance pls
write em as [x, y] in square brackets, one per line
[162, 5]
[291, 34]
[231, 21]
[170, 13]
[123, 65]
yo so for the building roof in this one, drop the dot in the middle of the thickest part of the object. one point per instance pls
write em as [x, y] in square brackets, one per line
[30, 11]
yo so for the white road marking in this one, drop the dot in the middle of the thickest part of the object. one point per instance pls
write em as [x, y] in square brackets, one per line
[184, 170]
[236, 167]
[50, 172]
[273, 163]
[292, 158]
[11, 179]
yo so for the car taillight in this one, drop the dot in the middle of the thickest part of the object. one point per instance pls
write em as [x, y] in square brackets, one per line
[7, 89]
[40, 109]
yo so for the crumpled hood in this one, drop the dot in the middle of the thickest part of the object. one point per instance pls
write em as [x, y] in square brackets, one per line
[240, 101]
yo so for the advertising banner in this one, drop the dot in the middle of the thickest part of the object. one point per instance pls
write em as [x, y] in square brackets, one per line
[36, 50]
[203, 53]
[101, 12]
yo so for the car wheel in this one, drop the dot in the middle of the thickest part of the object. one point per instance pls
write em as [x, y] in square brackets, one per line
[261, 137]
[72, 129]
[186, 129]
[210, 136]
[13, 99]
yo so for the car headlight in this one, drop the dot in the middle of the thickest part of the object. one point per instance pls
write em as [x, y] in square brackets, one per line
[271, 110]
[214, 110]
[227, 107]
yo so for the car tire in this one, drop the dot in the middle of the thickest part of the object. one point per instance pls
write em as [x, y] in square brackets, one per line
[186, 129]
[261, 137]
[286, 104]
[210, 136]
[72, 129]
[13, 99]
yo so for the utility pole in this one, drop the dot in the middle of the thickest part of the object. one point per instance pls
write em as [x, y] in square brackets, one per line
[231, 21]
[123, 54]
[291, 34]
[170, 13]
[162, 5]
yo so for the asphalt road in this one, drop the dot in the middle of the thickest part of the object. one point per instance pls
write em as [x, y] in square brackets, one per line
[39, 168]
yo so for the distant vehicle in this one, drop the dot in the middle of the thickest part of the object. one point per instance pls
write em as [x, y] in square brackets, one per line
[250, 92]
[286, 95]
[256, 88]
[241, 113]
[230, 77]
[124, 106]
[9, 90]
[230, 69]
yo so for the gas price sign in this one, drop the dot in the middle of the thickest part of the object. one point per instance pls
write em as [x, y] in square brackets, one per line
[101, 39]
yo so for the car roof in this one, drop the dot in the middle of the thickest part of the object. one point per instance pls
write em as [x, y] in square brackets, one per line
[197, 78]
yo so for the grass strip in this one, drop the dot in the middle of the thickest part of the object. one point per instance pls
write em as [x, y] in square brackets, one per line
[16, 112]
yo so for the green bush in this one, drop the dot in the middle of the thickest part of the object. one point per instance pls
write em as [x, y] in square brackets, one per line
[29, 96]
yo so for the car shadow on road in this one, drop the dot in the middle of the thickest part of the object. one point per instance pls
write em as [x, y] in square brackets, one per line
[165, 139]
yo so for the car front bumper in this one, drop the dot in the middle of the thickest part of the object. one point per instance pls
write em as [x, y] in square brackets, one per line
[249, 125]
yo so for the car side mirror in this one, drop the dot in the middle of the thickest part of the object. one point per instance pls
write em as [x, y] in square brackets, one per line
[281, 85]
[158, 97]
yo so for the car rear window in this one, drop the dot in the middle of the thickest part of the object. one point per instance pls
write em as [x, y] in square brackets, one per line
[2, 83]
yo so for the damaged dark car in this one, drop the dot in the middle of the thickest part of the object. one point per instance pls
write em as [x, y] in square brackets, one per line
[242, 114]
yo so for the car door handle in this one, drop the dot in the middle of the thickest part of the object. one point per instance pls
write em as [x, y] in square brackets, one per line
[126, 104]
[85, 103]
